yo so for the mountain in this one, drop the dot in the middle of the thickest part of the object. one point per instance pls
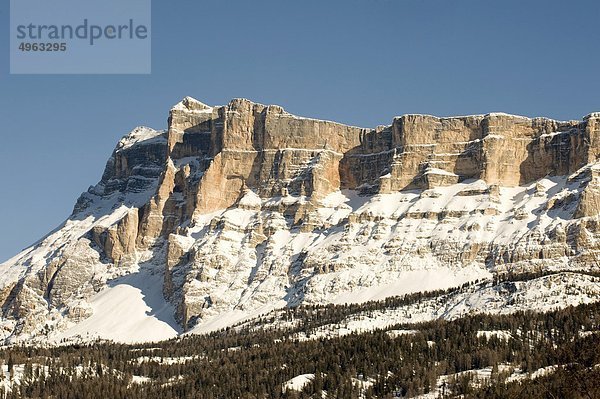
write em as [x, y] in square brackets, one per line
[239, 210]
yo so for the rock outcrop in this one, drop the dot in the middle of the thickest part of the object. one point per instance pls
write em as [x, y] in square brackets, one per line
[246, 207]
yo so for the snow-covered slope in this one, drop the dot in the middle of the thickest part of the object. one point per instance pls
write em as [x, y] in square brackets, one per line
[541, 294]
[240, 210]
[130, 309]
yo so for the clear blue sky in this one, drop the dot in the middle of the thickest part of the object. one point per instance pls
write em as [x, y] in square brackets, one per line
[355, 61]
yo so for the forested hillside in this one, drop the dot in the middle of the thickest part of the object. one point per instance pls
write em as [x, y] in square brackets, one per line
[526, 354]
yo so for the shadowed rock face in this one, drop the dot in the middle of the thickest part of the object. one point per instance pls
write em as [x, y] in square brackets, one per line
[239, 206]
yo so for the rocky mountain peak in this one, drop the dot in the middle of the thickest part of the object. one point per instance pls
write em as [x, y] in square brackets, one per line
[190, 104]
[239, 209]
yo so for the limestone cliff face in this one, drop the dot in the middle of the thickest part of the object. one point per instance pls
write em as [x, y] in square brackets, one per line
[226, 150]
[215, 154]
[245, 206]
[420, 151]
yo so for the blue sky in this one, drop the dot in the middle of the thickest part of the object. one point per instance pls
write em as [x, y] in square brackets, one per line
[355, 61]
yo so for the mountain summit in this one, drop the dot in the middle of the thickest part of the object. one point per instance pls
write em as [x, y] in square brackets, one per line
[238, 210]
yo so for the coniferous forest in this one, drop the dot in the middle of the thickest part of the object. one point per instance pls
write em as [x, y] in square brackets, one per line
[522, 355]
